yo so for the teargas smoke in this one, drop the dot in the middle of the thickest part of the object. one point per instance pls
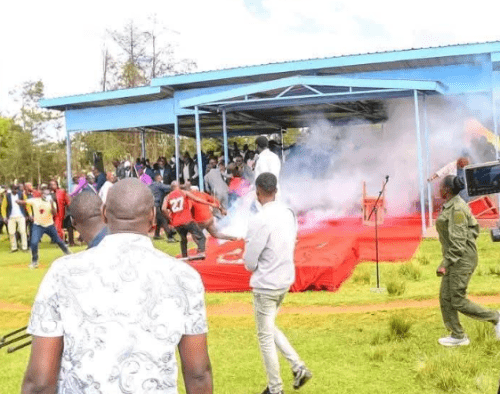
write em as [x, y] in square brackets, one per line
[323, 177]
[323, 174]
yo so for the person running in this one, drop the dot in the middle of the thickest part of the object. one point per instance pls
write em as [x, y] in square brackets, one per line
[269, 255]
[177, 207]
[44, 209]
[458, 230]
[202, 213]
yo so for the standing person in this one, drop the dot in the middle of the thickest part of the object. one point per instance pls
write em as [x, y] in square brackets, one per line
[62, 201]
[177, 208]
[165, 170]
[458, 230]
[44, 208]
[216, 185]
[159, 191]
[267, 160]
[110, 181]
[129, 307]
[100, 178]
[86, 217]
[119, 169]
[245, 171]
[128, 172]
[15, 217]
[269, 254]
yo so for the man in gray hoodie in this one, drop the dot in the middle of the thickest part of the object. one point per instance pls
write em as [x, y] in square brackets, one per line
[269, 254]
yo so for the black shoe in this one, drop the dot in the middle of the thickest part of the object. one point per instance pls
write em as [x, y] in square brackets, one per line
[14, 251]
[300, 377]
[156, 237]
[266, 391]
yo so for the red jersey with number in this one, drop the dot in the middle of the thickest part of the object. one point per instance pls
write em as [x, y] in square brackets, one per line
[202, 212]
[180, 208]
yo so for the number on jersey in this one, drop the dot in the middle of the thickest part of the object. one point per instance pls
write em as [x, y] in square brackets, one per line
[177, 204]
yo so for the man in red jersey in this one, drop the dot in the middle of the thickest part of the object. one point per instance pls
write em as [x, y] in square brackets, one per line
[177, 207]
[202, 213]
[62, 201]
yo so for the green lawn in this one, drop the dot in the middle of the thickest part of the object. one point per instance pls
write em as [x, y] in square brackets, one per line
[348, 353]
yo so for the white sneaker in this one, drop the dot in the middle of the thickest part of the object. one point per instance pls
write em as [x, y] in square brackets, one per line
[450, 341]
[497, 329]
[33, 266]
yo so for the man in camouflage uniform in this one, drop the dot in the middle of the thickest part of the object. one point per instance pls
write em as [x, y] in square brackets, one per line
[458, 230]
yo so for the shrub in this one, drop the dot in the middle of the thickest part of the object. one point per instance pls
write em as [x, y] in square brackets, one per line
[396, 286]
[495, 270]
[362, 275]
[399, 327]
[423, 260]
[411, 271]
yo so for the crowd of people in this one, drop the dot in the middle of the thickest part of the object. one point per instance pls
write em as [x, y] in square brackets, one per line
[29, 212]
[146, 304]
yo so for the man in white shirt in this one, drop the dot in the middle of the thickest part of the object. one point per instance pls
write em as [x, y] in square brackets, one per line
[267, 160]
[118, 311]
[269, 254]
[110, 181]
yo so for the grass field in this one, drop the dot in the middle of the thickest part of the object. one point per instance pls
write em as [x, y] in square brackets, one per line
[383, 351]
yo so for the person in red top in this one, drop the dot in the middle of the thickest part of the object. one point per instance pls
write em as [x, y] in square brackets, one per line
[202, 213]
[177, 207]
[62, 201]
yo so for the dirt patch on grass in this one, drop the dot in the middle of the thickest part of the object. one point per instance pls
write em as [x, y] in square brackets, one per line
[8, 306]
[240, 308]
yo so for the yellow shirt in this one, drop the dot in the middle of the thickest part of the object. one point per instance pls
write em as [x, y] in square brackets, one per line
[42, 211]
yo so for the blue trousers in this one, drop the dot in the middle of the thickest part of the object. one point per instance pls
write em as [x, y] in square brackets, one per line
[37, 234]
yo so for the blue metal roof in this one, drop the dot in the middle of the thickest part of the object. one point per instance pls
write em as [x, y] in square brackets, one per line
[430, 55]
[346, 65]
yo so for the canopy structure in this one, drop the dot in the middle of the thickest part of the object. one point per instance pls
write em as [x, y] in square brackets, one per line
[270, 98]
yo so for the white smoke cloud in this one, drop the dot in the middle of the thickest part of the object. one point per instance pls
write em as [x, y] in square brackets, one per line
[344, 157]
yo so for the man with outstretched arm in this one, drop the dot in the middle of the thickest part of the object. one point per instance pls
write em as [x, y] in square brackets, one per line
[118, 312]
[269, 254]
[177, 207]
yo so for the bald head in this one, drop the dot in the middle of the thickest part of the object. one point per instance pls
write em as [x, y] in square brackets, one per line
[129, 207]
[85, 206]
[174, 185]
[85, 209]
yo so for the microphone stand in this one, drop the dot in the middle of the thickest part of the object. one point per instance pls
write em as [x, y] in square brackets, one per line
[375, 211]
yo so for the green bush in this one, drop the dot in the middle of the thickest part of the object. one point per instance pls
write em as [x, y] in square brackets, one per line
[396, 286]
[362, 274]
[411, 271]
[423, 260]
[399, 327]
[495, 270]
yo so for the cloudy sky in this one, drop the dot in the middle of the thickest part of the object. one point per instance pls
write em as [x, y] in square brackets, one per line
[60, 42]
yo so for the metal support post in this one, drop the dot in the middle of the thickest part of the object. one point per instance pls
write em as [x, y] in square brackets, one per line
[176, 140]
[69, 177]
[494, 111]
[224, 135]
[198, 147]
[428, 162]
[420, 161]
[143, 144]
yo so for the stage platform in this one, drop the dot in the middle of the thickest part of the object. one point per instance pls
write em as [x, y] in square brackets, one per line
[325, 255]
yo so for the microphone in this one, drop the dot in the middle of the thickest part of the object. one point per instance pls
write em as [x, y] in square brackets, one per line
[387, 178]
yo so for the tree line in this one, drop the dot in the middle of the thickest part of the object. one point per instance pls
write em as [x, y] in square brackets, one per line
[132, 58]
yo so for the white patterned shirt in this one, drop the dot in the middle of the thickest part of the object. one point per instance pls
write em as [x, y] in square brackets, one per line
[122, 308]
